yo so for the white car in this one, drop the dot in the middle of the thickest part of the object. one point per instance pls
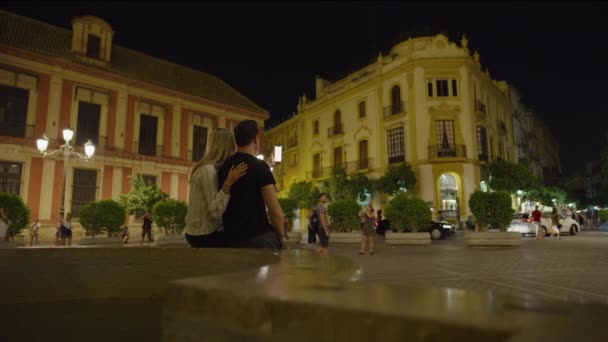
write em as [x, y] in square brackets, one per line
[522, 223]
[568, 225]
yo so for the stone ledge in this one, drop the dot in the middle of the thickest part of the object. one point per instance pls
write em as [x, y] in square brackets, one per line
[408, 239]
[493, 239]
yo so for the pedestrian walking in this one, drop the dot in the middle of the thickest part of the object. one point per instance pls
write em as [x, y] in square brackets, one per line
[146, 228]
[368, 231]
[66, 230]
[536, 216]
[34, 232]
[124, 233]
[313, 226]
[555, 224]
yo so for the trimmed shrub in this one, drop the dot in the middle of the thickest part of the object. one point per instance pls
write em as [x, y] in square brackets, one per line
[603, 214]
[102, 216]
[289, 207]
[142, 196]
[303, 193]
[491, 209]
[407, 213]
[344, 215]
[18, 213]
[170, 216]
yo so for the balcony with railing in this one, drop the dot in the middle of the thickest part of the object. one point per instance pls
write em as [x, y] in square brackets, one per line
[482, 156]
[320, 173]
[148, 150]
[394, 109]
[454, 151]
[335, 130]
[480, 107]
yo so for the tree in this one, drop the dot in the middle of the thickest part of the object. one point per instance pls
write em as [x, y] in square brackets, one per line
[359, 185]
[339, 186]
[170, 215]
[510, 177]
[303, 194]
[289, 208]
[397, 178]
[491, 209]
[408, 213]
[18, 213]
[102, 216]
[551, 196]
[345, 215]
[142, 196]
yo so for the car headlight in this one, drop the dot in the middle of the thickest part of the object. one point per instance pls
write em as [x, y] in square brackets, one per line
[447, 226]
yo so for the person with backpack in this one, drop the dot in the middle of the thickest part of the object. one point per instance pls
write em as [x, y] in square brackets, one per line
[323, 225]
[313, 226]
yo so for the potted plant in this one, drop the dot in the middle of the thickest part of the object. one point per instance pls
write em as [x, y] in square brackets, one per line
[96, 218]
[492, 209]
[408, 215]
[345, 224]
[170, 217]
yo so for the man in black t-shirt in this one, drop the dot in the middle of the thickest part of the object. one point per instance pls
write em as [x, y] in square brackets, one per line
[245, 220]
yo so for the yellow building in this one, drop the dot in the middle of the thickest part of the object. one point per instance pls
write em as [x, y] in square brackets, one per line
[146, 116]
[429, 103]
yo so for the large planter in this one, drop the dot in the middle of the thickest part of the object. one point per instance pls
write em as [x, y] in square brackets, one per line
[492, 239]
[408, 239]
[100, 241]
[344, 238]
[173, 240]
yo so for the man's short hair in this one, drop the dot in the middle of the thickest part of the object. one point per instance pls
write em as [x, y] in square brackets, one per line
[321, 194]
[245, 132]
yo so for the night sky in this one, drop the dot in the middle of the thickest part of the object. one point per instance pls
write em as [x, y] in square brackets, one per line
[555, 54]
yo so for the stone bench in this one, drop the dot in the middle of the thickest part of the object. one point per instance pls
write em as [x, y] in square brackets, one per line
[185, 294]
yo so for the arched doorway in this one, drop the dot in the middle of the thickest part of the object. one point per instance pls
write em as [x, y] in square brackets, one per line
[448, 195]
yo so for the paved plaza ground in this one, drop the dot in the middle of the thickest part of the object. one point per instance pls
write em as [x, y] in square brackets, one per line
[573, 269]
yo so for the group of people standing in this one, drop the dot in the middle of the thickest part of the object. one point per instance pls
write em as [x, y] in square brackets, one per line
[372, 223]
[536, 220]
[230, 192]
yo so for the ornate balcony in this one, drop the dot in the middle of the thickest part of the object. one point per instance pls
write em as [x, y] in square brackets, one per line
[394, 109]
[335, 130]
[454, 151]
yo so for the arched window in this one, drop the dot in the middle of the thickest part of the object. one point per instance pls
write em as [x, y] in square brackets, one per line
[363, 159]
[337, 122]
[396, 104]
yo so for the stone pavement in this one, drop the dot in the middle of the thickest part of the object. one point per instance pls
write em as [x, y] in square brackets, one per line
[572, 269]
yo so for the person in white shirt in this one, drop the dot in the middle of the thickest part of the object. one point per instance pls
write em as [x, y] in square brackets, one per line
[34, 233]
[205, 203]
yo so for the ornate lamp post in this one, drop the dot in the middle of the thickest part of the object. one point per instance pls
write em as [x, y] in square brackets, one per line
[65, 151]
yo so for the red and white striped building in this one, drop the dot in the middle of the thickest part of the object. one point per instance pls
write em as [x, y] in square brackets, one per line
[145, 115]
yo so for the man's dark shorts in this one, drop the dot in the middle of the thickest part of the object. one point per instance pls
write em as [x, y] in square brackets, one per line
[267, 240]
[213, 240]
[323, 238]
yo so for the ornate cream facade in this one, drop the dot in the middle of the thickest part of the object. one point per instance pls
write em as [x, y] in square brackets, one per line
[429, 103]
[146, 116]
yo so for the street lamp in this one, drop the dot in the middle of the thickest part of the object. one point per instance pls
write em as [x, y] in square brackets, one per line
[65, 151]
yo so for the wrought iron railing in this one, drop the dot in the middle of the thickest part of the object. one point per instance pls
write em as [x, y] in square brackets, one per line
[335, 130]
[29, 131]
[453, 151]
[148, 150]
[320, 173]
[482, 157]
[394, 109]
[291, 142]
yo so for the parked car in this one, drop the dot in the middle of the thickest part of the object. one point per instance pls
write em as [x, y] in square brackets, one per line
[567, 225]
[522, 223]
[440, 230]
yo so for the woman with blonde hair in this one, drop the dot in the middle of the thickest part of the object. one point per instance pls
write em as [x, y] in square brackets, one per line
[206, 204]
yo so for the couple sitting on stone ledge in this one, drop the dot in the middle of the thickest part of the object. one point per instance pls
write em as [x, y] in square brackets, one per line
[229, 191]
